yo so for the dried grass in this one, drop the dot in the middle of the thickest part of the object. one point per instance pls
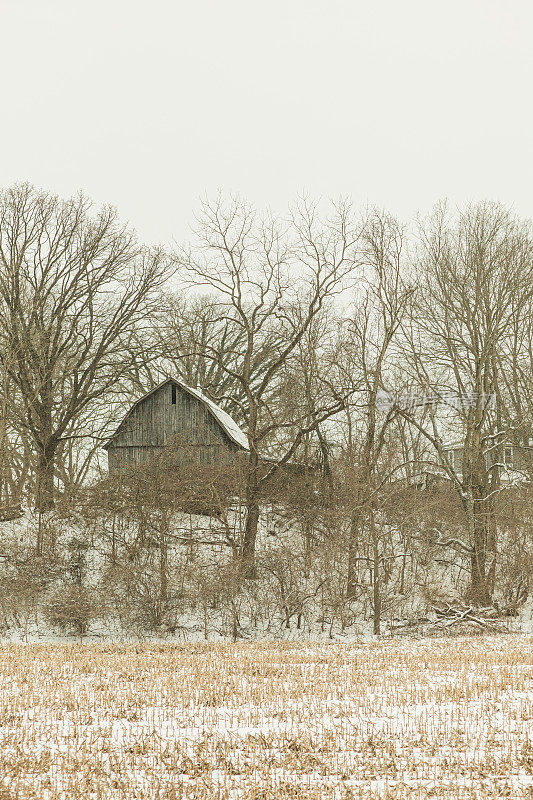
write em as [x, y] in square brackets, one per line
[448, 718]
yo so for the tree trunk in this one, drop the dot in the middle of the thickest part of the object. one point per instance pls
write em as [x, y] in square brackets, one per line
[376, 588]
[252, 517]
[250, 536]
[327, 483]
[45, 478]
[353, 544]
[163, 570]
[308, 540]
[479, 590]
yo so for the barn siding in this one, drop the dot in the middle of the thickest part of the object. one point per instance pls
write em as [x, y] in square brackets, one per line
[155, 423]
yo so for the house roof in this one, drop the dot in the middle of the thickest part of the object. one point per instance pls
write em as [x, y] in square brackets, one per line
[453, 445]
[226, 422]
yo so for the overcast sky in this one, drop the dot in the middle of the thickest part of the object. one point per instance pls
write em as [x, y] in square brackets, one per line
[150, 104]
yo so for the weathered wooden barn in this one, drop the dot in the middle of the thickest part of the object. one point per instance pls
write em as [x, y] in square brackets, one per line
[176, 421]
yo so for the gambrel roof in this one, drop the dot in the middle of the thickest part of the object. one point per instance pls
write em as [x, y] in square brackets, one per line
[226, 422]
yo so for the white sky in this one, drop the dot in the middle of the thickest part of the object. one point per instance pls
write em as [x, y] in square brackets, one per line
[151, 104]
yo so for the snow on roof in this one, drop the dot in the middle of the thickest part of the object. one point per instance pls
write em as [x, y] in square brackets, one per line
[458, 444]
[225, 421]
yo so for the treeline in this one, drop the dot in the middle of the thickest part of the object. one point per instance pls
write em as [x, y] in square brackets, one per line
[349, 344]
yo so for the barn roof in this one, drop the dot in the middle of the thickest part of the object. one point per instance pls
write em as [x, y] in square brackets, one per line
[225, 421]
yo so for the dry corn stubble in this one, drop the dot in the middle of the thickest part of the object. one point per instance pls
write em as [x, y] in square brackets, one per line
[391, 719]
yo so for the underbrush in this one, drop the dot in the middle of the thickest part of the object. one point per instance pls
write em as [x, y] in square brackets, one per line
[103, 576]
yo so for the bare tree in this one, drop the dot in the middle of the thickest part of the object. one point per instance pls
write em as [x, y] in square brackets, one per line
[476, 284]
[306, 386]
[270, 285]
[14, 451]
[190, 330]
[73, 288]
[364, 360]
[514, 390]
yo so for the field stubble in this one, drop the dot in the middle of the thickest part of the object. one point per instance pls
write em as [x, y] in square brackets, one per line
[436, 718]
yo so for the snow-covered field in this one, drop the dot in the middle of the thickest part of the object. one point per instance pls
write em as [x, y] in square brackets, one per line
[429, 718]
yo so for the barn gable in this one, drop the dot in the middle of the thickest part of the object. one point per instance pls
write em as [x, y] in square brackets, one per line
[178, 415]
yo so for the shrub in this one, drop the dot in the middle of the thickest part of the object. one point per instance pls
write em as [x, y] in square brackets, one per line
[71, 610]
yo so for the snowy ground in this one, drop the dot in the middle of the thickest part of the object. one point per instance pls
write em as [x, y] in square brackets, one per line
[429, 718]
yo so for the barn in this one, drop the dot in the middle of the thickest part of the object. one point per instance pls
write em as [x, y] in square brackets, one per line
[176, 420]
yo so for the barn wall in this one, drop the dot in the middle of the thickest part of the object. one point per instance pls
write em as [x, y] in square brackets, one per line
[156, 424]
